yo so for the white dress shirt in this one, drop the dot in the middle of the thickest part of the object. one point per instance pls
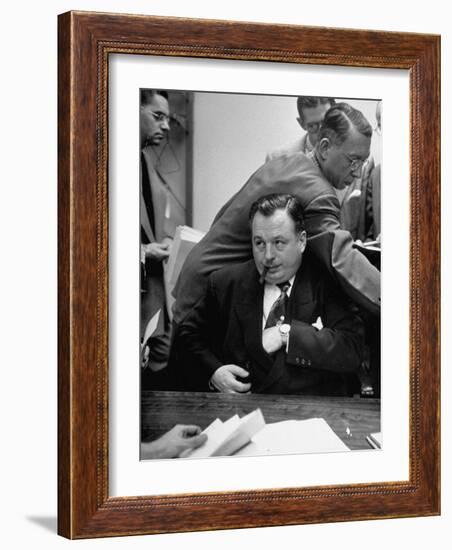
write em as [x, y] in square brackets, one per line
[271, 294]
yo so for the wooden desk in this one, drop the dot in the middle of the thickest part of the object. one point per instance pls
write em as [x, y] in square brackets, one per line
[162, 410]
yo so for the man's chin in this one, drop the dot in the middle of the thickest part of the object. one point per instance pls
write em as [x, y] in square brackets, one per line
[273, 278]
[342, 185]
[157, 140]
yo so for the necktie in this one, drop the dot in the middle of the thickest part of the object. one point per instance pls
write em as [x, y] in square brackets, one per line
[279, 306]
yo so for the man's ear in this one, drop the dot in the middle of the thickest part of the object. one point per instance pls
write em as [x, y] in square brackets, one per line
[301, 122]
[323, 147]
[302, 239]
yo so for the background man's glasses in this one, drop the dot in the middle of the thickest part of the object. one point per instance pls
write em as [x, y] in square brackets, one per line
[161, 117]
[355, 163]
[313, 127]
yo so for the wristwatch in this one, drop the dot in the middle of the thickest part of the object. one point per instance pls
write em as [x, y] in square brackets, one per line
[284, 330]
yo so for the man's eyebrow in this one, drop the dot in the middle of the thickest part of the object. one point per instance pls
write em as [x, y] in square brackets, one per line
[356, 156]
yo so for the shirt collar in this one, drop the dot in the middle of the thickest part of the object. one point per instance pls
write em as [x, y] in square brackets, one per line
[269, 286]
[308, 145]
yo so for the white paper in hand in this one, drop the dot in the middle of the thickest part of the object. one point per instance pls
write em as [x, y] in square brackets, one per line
[151, 326]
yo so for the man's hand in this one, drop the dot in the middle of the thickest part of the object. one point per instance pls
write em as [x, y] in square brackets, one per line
[144, 356]
[272, 340]
[155, 251]
[168, 241]
[224, 379]
[173, 443]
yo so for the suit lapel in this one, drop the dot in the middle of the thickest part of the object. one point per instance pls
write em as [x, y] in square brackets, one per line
[302, 292]
[249, 310]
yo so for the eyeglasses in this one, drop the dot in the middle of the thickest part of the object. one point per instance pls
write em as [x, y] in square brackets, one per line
[313, 127]
[355, 163]
[161, 117]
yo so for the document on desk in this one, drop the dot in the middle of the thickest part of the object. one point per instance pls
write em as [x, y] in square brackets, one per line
[294, 437]
[250, 436]
[225, 438]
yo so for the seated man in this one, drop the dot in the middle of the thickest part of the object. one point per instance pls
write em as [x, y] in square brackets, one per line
[274, 324]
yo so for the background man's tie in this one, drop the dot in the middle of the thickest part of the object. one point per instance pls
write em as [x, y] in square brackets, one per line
[279, 306]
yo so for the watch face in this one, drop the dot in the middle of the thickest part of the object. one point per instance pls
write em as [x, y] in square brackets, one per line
[284, 329]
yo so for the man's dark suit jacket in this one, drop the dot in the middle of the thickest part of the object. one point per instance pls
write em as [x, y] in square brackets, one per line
[229, 239]
[226, 328]
[155, 226]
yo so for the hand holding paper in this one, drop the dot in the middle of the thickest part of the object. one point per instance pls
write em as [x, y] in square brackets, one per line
[179, 439]
[250, 436]
[155, 251]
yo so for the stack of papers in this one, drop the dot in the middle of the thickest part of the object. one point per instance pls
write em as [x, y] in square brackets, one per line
[225, 438]
[250, 436]
[184, 240]
[294, 437]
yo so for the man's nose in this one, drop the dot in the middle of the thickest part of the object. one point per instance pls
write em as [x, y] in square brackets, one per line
[356, 172]
[165, 125]
[269, 254]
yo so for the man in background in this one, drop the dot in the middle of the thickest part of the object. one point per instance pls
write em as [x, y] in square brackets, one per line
[159, 215]
[311, 112]
[372, 202]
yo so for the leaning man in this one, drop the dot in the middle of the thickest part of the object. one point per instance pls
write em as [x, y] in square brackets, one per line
[275, 324]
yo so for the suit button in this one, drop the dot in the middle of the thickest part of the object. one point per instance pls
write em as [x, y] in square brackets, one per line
[297, 360]
[303, 361]
[309, 362]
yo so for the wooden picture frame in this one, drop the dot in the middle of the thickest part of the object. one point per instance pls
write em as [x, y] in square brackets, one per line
[86, 40]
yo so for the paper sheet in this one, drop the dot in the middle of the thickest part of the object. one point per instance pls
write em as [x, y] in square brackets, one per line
[294, 437]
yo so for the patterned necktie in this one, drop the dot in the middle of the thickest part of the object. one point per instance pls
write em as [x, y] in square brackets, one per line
[278, 308]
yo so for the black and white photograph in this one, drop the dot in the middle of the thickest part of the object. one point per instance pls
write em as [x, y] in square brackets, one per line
[259, 259]
[194, 351]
